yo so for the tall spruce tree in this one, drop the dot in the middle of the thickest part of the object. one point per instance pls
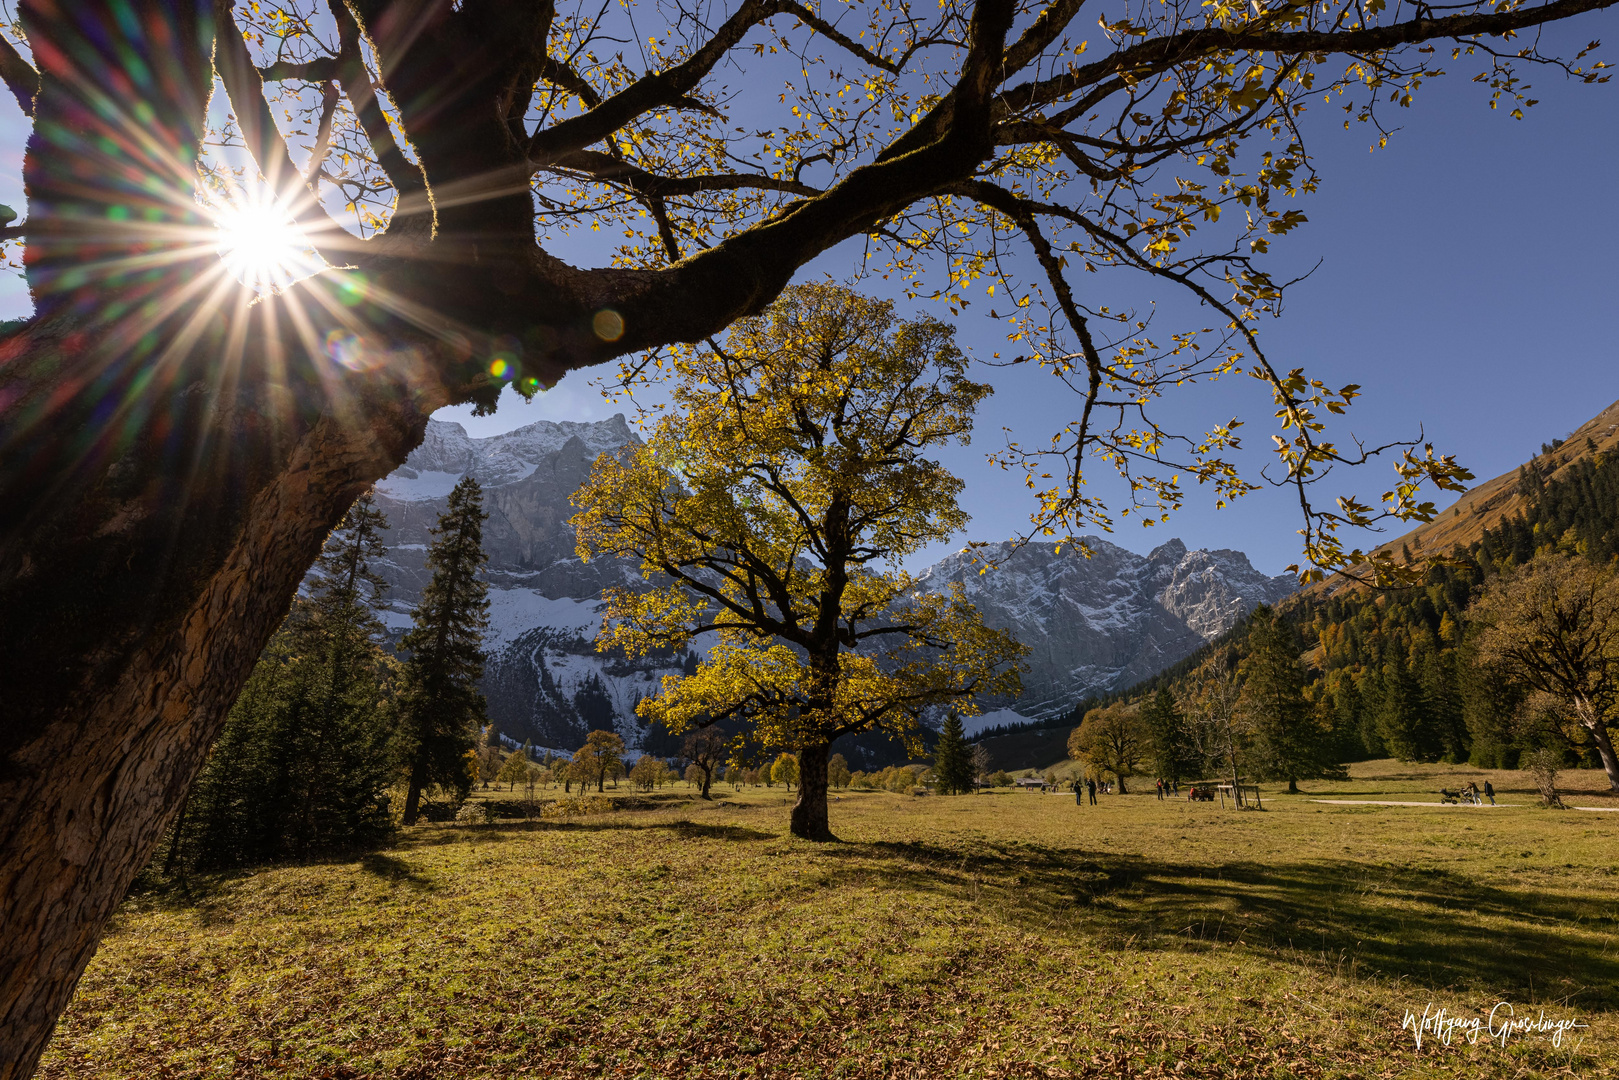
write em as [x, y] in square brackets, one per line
[303, 761]
[952, 760]
[1289, 743]
[1348, 719]
[441, 705]
[1167, 740]
[1403, 721]
[1442, 692]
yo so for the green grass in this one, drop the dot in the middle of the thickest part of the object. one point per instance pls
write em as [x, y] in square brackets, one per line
[1008, 934]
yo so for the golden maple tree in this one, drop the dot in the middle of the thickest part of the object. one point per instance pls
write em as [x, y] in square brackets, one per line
[770, 508]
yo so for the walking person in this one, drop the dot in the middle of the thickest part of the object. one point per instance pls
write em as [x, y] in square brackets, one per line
[1090, 787]
[1079, 793]
[1489, 792]
[1160, 791]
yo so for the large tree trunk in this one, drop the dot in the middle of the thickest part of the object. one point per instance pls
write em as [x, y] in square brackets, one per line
[98, 757]
[1600, 736]
[171, 460]
[413, 795]
[809, 818]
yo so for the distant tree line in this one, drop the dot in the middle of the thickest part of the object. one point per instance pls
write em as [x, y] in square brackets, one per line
[1509, 647]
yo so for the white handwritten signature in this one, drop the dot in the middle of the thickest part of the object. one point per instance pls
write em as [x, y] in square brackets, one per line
[1502, 1023]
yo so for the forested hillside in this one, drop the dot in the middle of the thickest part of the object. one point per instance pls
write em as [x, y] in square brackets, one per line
[1487, 505]
[1393, 674]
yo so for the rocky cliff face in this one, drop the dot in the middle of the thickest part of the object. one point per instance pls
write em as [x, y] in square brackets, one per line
[1105, 622]
[1093, 625]
[544, 679]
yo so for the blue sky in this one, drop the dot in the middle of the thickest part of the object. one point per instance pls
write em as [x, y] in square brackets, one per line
[1469, 282]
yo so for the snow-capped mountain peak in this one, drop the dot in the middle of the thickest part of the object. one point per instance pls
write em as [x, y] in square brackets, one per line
[1101, 623]
[1093, 624]
[447, 454]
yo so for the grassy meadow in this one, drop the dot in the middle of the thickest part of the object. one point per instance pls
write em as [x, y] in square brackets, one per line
[1007, 934]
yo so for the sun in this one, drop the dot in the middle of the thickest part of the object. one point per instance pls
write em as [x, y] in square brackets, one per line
[262, 246]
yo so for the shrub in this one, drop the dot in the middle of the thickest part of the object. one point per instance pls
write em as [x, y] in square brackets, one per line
[472, 813]
[594, 804]
[1543, 765]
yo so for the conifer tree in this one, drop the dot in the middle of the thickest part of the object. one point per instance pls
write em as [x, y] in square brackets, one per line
[1343, 705]
[1373, 696]
[952, 761]
[304, 758]
[1167, 740]
[442, 707]
[1403, 719]
[592, 703]
[1289, 743]
[1441, 691]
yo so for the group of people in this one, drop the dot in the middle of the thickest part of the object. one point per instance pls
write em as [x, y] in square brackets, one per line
[1472, 794]
[1089, 787]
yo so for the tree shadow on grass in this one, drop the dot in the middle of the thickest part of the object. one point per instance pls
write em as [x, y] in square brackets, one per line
[602, 823]
[1424, 923]
[694, 830]
[396, 870]
[687, 830]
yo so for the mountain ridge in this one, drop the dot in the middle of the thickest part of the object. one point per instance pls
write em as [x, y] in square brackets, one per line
[1489, 503]
[1094, 624]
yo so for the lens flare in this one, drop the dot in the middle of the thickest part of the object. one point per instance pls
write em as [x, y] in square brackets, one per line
[262, 246]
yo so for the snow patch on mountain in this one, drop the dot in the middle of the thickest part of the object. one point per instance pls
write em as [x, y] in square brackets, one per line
[1093, 624]
[513, 612]
[972, 725]
[1100, 623]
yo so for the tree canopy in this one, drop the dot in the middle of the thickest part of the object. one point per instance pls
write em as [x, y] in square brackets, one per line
[1554, 625]
[770, 508]
[1113, 739]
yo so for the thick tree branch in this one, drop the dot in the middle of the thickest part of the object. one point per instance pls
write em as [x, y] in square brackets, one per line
[561, 73]
[406, 178]
[1044, 30]
[832, 33]
[21, 78]
[323, 133]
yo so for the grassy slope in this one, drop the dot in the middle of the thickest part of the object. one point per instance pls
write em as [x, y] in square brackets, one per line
[1008, 934]
[1488, 503]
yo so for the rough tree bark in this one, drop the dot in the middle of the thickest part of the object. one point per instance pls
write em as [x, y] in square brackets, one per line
[809, 814]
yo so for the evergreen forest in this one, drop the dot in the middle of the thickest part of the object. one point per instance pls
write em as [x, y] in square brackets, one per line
[1396, 673]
